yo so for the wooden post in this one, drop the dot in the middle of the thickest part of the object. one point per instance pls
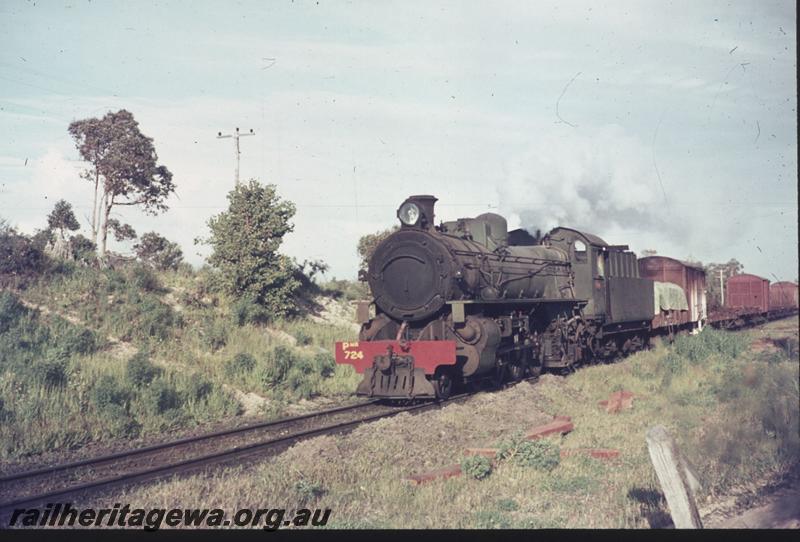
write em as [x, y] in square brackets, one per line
[675, 480]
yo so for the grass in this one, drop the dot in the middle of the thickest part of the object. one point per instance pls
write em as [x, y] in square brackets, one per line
[59, 390]
[733, 413]
[191, 344]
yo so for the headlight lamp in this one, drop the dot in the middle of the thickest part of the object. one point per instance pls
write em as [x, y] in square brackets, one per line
[409, 213]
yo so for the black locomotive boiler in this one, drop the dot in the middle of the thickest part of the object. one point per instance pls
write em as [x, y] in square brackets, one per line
[467, 301]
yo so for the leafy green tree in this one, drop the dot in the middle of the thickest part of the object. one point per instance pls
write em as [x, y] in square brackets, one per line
[245, 241]
[124, 168]
[82, 249]
[62, 218]
[367, 243]
[122, 232]
[18, 253]
[156, 250]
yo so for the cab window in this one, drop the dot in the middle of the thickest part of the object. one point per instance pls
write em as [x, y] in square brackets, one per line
[601, 271]
[579, 248]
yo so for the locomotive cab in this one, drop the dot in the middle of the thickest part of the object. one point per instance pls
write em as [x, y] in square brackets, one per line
[608, 277]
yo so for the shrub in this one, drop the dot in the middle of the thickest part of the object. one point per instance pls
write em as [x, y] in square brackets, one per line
[6, 415]
[143, 278]
[346, 289]
[476, 466]
[161, 397]
[303, 337]
[507, 505]
[241, 363]
[11, 310]
[77, 340]
[139, 371]
[18, 254]
[325, 364]
[51, 372]
[216, 334]
[248, 311]
[301, 385]
[304, 365]
[710, 341]
[491, 519]
[275, 367]
[245, 240]
[157, 251]
[674, 363]
[540, 454]
[307, 491]
[119, 421]
[82, 249]
[107, 391]
[148, 318]
[197, 388]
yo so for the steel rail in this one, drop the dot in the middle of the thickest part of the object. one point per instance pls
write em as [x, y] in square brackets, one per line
[163, 471]
[219, 457]
[175, 443]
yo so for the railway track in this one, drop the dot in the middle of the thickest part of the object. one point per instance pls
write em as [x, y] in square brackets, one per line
[192, 454]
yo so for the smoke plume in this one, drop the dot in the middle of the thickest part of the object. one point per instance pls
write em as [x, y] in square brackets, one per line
[598, 180]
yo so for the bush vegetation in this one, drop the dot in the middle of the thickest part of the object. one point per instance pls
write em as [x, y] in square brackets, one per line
[476, 466]
[186, 352]
[61, 390]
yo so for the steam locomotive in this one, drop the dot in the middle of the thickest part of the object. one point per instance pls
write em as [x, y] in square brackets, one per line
[467, 301]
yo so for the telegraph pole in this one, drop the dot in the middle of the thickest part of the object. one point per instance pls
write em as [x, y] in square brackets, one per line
[236, 135]
[721, 289]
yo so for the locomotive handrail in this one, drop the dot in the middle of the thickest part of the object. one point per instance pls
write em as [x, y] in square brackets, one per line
[512, 300]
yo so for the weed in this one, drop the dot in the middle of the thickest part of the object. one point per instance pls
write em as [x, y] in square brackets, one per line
[51, 372]
[491, 519]
[476, 466]
[11, 310]
[108, 392]
[155, 320]
[75, 340]
[303, 337]
[197, 387]
[248, 311]
[540, 454]
[308, 491]
[240, 364]
[325, 364]
[710, 341]
[143, 278]
[507, 505]
[160, 398]
[215, 334]
[120, 423]
[570, 484]
[6, 414]
[139, 371]
[275, 366]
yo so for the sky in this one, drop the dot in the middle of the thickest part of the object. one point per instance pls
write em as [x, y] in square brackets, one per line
[669, 126]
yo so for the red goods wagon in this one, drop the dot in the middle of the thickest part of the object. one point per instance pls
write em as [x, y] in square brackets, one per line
[691, 278]
[747, 291]
[782, 296]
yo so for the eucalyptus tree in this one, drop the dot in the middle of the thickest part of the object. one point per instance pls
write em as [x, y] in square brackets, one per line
[123, 167]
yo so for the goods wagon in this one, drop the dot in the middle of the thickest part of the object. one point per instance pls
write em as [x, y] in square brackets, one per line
[747, 292]
[691, 280]
[783, 296]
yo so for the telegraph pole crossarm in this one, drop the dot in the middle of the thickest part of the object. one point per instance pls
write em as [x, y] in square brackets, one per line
[236, 135]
